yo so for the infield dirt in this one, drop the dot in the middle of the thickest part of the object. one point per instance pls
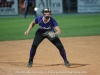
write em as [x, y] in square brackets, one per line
[83, 54]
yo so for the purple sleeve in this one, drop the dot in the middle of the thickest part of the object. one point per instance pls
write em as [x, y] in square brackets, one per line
[55, 23]
[36, 20]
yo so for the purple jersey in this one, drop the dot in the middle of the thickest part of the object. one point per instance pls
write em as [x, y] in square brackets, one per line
[50, 25]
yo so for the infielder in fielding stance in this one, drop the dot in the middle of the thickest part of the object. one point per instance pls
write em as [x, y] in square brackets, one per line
[48, 28]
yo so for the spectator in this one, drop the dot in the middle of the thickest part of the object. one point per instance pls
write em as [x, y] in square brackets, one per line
[27, 4]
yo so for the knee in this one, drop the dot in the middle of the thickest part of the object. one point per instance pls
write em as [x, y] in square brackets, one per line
[59, 46]
[34, 46]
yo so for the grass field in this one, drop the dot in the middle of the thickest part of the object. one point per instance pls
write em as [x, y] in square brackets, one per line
[13, 28]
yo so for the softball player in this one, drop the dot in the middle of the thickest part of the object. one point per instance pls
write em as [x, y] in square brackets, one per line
[48, 28]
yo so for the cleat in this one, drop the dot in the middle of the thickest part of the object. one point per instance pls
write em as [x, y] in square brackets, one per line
[67, 63]
[30, 64]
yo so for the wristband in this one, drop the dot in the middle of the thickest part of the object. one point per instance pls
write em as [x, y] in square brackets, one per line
[56, 34]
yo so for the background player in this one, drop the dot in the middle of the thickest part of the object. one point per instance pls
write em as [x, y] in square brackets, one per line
[27, 5]
[46, 23]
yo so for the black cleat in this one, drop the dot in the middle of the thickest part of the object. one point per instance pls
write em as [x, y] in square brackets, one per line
[30, 63]
[67, 63]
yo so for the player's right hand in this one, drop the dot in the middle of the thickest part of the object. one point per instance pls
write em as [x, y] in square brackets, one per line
[26, 33]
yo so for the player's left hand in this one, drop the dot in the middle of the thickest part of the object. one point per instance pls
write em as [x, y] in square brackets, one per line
[50, 34]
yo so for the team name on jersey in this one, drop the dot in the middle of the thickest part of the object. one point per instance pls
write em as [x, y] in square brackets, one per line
[40, 27]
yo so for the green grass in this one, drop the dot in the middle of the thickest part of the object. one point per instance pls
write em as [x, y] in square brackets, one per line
[71, 25]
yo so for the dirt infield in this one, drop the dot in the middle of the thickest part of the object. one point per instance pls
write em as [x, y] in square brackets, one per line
[82, 52]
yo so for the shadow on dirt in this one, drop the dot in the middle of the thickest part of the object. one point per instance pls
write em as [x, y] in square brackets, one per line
[72, 65]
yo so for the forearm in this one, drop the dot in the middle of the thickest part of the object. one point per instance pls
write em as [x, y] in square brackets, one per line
[58, 31]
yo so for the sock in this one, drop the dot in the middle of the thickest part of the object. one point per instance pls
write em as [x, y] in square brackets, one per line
[63, 54]
[32, 54]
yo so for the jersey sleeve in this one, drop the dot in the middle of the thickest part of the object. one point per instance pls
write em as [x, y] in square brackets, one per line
[36, 20]
[54, 23]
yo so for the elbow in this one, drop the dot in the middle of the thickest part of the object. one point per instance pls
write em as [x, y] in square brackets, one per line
[32, 24]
